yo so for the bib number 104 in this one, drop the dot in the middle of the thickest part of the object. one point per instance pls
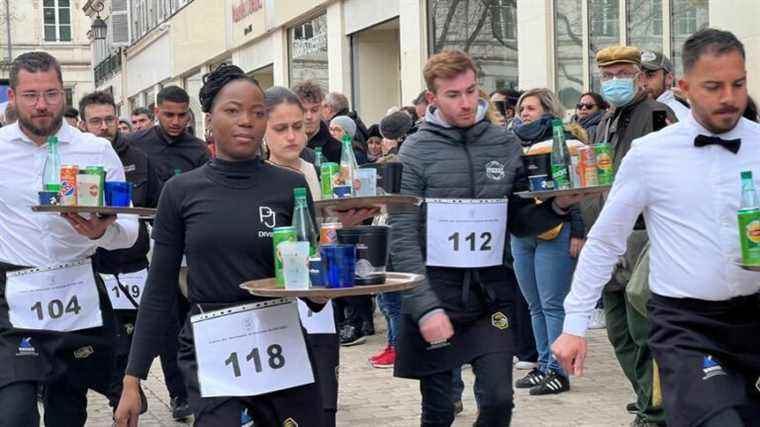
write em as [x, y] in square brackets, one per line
[472, 241]
[274, 351]
[56, 308]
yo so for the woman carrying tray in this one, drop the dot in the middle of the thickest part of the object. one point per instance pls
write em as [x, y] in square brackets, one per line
[234, 346]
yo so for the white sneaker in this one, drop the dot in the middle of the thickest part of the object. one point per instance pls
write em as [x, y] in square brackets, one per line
[597, 319]
[525, 366]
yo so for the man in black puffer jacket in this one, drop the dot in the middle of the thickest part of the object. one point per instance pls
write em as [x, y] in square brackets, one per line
[467, 170]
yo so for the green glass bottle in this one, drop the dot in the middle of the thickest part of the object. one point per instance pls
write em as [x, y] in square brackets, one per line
[318, 158]
[749, 221]
[302, 221]
[51, 173]
[560, 157]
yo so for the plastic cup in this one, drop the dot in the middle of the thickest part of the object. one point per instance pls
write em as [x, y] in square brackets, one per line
[118, 193]
[338, 265]
[49, 198]
[368, 183]
[295, 264]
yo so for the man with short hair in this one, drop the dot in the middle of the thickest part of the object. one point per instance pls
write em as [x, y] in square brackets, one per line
[125, 269]
[703, 307]
[632, 114]
[317, 131]
[465, 167]
[172, 150]
[56, 322]
[72, 116]
[142, 118]
[336, 104]
[657, 77]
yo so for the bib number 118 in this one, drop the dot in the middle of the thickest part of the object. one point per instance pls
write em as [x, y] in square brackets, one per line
[471, 241]
[274, 351]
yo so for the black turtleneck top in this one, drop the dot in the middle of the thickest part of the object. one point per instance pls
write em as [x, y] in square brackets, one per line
[221, 217]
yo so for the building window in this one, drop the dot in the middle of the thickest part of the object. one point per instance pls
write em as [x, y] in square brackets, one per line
[57, 20]
[644, 26]
[307, 49]
[605, 31]
[568, 24]
[485, 29]
[68, 93]
[687, 16]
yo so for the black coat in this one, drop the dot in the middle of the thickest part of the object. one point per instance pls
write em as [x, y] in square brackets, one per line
[330, 146]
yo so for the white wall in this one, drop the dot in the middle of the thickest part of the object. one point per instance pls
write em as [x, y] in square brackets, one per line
[413, 44]
[377, 65]
[150, 66]
[361, 14]
[535, 44]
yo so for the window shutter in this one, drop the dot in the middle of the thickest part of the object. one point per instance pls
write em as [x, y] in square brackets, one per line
[120, 23]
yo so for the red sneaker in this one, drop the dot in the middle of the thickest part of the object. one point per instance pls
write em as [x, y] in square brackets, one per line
[386, 360]
[380, 353]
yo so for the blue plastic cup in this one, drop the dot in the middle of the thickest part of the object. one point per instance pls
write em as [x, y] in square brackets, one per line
[118, 194]
[49, 198]
[338, 265]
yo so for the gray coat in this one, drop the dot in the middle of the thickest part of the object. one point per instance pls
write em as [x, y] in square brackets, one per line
[441, 161]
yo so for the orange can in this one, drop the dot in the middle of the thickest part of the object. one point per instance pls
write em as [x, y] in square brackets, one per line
[69, 185]
[328, 233]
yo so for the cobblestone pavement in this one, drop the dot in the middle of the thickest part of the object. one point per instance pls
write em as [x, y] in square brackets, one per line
[373, 397]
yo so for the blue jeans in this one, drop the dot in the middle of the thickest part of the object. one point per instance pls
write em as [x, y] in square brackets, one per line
[544, 270]
[390, 306]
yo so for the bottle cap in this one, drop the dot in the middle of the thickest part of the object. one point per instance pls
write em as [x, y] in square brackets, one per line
[52, 140]
[299, 192]
[347, 138]
[746, 174]
[318, 150]
[556, 122]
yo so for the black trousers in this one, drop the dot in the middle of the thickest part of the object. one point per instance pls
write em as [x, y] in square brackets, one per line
[708, 354]
[494, 378]
[353, 311]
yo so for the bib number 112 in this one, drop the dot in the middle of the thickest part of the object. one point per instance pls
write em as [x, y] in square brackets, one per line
[471, 240]
[276, 359]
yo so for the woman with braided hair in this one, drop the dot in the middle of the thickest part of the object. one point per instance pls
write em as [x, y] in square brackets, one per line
[221, 215]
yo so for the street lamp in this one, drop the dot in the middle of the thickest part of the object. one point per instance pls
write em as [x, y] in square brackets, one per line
[99, 28]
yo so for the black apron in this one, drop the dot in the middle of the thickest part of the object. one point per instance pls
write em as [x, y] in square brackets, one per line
[303, 414]
[83, 357]
[479, 305]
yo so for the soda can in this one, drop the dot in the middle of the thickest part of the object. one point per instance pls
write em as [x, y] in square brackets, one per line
[279, 235]
[89, 188]
[69, 185]
[328, 233]
[327, 173]
[749, 236]
[604, 170]
[587, 167]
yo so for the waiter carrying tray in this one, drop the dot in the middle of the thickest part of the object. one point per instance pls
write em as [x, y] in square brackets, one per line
[56, 322]
[704, 308]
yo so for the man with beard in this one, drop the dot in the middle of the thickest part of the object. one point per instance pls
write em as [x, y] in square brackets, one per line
[657, 78]
[66, 340]
[125, 270]
[703, 307]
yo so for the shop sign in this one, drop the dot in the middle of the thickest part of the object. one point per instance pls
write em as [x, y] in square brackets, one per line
[246, 8]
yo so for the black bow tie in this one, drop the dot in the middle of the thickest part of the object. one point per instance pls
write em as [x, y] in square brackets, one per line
[731, 145]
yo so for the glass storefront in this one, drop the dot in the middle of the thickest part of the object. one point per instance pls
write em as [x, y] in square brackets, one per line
[644, 24]
[486, 29]
[307, 52]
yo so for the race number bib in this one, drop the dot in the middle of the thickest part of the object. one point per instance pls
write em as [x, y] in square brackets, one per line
[125, 290]
[251, 349]
[317, 323]
[467, 233]
[61, 298]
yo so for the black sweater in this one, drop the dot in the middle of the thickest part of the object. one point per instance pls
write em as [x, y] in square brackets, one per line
[221, 217]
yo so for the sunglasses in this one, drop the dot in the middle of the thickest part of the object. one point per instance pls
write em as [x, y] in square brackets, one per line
[583, 106]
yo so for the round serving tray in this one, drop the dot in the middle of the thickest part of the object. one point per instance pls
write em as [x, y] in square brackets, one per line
[393, 282]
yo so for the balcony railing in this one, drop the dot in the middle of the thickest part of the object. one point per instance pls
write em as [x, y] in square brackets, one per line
[107, 68]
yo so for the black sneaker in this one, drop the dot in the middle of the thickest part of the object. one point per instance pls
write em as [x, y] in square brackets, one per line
[553, 383]
[533, 379]
[632, 408]
[458, 407]
[368, 328]
[351, 336]
[180, 408]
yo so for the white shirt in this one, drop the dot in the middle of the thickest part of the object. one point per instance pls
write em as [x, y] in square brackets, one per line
[38, 239]
[681, 111]
[689, 197]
